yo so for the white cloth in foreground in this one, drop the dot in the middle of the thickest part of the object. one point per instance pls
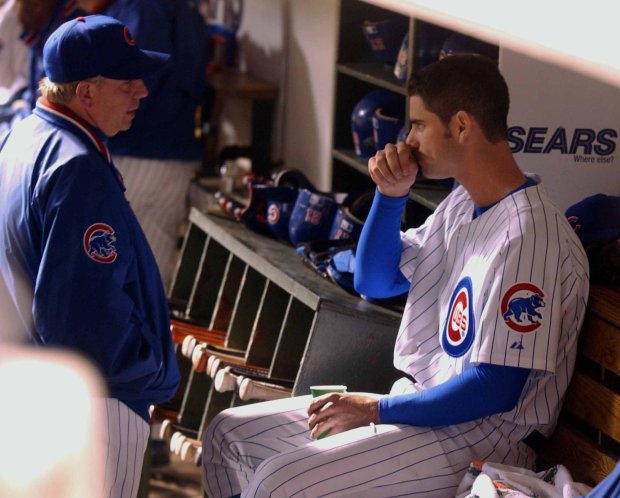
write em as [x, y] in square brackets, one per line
[494, 480]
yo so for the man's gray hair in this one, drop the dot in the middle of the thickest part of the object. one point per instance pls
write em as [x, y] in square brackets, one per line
[60, 93]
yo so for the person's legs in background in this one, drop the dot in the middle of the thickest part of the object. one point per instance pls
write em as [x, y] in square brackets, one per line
[158, 193]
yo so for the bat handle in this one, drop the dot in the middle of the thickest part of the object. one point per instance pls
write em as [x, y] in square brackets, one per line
[255, 389]
[199, 358]
[188, 345]
[225, 380]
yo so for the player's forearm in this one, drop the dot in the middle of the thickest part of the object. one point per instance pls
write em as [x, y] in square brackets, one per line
[478, 392]
[377, 272]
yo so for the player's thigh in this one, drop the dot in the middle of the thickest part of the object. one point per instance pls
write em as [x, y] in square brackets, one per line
[367, 461]
[282, 418]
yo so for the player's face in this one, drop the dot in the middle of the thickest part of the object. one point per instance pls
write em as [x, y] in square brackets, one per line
[114, 104]
[432, 142]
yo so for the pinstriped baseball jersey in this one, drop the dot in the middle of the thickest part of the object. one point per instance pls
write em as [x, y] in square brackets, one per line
[508, 288]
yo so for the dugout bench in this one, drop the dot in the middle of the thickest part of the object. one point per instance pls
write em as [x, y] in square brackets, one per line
[587, 438]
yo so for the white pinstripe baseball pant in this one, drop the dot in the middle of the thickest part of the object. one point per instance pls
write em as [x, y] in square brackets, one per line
[124, 444]
[265, 450]
[157, 190]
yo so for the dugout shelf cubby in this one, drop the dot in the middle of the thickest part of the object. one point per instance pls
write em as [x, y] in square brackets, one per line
[279, 315]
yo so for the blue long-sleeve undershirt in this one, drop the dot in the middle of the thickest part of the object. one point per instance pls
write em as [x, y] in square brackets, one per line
[377, 257]
[477, 392]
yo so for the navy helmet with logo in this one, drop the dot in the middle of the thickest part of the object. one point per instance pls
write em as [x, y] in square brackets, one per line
[392, 104]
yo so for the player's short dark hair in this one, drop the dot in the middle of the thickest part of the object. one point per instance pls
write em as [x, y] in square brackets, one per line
[470, 83]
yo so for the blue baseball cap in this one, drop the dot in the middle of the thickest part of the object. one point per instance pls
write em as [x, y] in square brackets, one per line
[97, 45]
[596, 218]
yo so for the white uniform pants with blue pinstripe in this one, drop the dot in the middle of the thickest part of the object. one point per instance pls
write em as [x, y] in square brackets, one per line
[124, 443]
[265, 449]
[157, 190]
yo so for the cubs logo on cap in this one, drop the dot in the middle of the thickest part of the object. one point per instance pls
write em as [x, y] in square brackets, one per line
[521, 307]
[128, 37]
[459, 328]
[98, 242]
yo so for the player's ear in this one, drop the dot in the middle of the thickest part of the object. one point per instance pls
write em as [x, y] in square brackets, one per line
[84, 93]
[462, 123]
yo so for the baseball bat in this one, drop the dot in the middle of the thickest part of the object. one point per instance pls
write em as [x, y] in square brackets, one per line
[176, 441]
[214, 366]
[199, 358]
[165, 430]
[225, 380]
[254, 389]
[180, 329]
[188, 345]
[189, 450]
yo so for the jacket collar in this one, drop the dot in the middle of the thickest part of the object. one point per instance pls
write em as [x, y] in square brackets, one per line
[60, 115]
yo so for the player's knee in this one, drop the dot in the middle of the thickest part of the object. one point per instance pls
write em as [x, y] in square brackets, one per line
[215, 432]
[276, 477]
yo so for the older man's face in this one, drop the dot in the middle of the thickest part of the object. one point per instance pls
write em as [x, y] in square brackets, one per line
[114, 103]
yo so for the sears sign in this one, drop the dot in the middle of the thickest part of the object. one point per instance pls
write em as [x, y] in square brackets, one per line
[585, 145]
[563, 126]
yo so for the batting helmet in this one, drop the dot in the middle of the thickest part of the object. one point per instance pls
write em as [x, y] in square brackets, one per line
[361, 118]
[312, 216]
[458, 43]
[385, 37]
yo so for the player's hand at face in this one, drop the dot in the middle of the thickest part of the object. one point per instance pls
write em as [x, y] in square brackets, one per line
[340, 412]
[394, 169]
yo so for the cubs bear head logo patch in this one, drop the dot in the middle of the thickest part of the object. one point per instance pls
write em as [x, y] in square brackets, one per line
[521, 307]
[459, 328]
[98, 242]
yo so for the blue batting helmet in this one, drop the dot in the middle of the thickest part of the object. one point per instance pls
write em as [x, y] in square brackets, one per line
[363, 112]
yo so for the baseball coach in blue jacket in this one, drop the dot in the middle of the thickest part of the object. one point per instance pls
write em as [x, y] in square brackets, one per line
[73, 257]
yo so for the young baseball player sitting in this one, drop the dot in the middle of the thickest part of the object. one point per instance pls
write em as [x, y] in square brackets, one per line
[73, 258]
[497, 286]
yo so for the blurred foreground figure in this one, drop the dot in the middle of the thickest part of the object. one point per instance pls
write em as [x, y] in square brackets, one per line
[49, 417]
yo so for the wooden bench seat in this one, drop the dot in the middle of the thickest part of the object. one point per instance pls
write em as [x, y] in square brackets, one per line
[587, 438]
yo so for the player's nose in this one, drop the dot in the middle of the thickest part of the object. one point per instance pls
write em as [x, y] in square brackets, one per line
[412, 140]
[139, 89]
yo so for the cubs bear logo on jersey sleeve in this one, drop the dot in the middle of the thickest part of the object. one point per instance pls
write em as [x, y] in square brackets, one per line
[521, 307]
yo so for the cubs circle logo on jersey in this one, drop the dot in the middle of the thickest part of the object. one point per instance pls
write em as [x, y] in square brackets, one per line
[98, 242]
[273, 214]
[521, 307]
[459, 329]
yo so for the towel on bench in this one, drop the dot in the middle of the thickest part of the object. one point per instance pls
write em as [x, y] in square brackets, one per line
[495, 480]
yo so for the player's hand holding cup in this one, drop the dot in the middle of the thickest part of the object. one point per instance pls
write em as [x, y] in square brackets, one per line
[320, 390]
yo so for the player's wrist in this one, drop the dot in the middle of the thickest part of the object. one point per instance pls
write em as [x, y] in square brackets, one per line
[374, 412]
[393, 191]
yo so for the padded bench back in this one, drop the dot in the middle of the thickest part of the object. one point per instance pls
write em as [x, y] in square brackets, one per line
[587, 439]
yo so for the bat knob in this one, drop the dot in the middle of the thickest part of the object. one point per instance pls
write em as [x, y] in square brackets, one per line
[224, 380]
